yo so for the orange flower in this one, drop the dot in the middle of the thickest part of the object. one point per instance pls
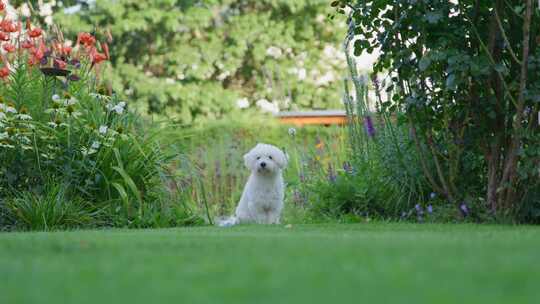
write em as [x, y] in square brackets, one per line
[37, 53]
[27, 44]
[35, 32]
[86, 39]
[4, 72]
[96, 56]
[105, 48]
[60, 64]
[8, 26]
[4, 36]
[8, 47]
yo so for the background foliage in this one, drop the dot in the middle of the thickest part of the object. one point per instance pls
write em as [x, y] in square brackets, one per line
[195, 59]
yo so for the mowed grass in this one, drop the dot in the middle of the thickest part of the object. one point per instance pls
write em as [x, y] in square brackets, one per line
[360, 263]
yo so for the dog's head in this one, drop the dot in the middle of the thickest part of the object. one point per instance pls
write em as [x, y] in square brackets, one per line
[265, 159]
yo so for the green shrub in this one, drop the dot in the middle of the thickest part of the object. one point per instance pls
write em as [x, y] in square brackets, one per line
[68, 131]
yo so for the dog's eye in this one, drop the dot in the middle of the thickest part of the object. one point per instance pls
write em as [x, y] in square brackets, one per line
[258, 157]
[270, 157]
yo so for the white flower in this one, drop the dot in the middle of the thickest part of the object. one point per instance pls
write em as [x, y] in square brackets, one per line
[325, 79]
[4, 145]
[71, 101]
[274, 52]
[118, 109]
[292, 132]
[103, 129]
[46, 9]
[24, 117]
[56, 98]
[302, 74]
[267, 106]
[11, 109]
[242, 103]
[25, 10]
[95, 145]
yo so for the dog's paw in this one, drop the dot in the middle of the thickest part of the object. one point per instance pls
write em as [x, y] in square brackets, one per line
[227, 222]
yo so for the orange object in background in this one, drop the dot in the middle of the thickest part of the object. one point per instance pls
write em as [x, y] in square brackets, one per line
[322, 117]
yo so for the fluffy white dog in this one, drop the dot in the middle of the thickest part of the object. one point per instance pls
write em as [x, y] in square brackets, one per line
[262, 199]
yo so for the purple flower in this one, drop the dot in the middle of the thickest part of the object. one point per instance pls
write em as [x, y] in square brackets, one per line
[331, 174]
[418, 209]
[464, 209]
[76, 63]
[368, 125]
[430, 209]
[74, 77]
[347, 167]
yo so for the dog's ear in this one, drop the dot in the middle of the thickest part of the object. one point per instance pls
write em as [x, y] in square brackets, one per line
[249, 158]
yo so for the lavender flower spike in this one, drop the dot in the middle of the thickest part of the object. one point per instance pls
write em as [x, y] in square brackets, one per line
[464, 209]
[368, 125]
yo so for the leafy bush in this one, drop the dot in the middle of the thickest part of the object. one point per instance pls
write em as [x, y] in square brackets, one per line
[465, 82]
[55, 125]
[190, 60]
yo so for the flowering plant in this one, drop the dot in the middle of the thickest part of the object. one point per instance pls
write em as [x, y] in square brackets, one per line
[59, 125]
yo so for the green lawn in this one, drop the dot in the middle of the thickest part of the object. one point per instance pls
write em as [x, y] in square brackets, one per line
[363, 263]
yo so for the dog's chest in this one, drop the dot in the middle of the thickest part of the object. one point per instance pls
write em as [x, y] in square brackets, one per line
[266, 195]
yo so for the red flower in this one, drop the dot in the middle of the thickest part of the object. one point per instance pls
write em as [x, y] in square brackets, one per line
[105, 49]
[2, 6]
[59, 64]
[62, 49]
[8, 47]
[86, 39]
[37, 53]
[4, 36]
[4, 72]
[8, 26]
[97, 57]
[27, 44]
[35, 32]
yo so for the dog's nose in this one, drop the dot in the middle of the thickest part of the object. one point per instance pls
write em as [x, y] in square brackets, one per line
[263, 164]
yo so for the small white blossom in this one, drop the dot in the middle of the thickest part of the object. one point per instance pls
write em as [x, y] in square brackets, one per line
[103, 129]
[10, 109]
[292, 132]
[95, 145]
[242, 103]
[56, 98]
[118, 109]
[71, 101]
[24, 117]
[267, 106]
[274, 52]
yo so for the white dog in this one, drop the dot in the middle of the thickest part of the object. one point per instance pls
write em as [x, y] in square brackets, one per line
[262, 199]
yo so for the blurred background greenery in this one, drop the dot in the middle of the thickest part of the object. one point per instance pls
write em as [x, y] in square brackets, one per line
[195, 60]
